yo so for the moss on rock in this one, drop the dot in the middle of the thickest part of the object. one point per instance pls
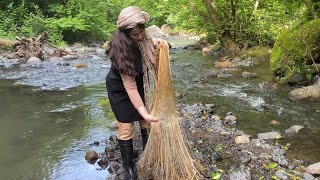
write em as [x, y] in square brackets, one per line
[291, 52]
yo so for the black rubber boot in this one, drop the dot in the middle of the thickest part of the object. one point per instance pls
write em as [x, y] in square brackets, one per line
[126, 149]
[144, 136]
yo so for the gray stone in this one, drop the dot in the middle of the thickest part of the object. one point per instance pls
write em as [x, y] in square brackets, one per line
[279, 152]
[33, 61]
[269, 135]
[113, 167]
[313, 168]
[243, 139]
[91, 156]
[243, 174]
[282, 175]
[294, 129]
[307, 176]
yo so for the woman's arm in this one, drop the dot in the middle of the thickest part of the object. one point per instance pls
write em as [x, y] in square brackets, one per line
[130, 86]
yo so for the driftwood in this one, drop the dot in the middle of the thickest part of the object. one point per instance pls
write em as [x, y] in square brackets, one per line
[25, 48]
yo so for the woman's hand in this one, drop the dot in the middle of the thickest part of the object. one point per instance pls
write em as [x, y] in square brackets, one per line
[146, 116]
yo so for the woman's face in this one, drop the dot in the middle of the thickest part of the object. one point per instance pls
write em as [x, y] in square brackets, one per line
[137, 34]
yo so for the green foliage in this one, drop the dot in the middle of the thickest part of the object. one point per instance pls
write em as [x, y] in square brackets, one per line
[257, 52]
[272, 165]
[290, 54]
[216, 176]
[94, 20]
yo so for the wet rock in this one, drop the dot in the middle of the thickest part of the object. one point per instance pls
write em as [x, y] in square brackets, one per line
[269, 135]
[222, 65]
[268, 86]
[206, 51]
[110, 148]
[91, 157]
[294, 129]
[313, 168]
[80, 65]
[215, 118]
[311, 93]
[113, 177]
[96, 143]
[113, 167]
[279, 152]
[230, 118]
[243, 174]
[217, 157]
[103, 164]
[243, 139]
[280, 160]
[246, 74]
[101, 52]
[282, 175]
[113, 126]
[106, 45]
[245, 158]
[70, 56]
[275, 122]
[307, 176]
[109, 155]
[113, 138]
[34, 61]
[257, 142]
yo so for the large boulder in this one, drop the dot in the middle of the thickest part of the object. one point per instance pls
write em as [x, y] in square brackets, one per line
[311, 93]
[167, 29]
[155, 31]
[294, 50]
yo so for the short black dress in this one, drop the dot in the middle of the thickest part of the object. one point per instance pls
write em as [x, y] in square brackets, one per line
[119, 100]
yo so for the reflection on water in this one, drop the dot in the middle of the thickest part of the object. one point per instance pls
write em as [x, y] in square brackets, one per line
[45, 134]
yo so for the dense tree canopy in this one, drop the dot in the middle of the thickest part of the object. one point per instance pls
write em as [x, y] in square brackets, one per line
[237, 24]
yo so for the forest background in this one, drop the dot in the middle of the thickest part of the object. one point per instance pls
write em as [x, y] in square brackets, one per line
[237, 24]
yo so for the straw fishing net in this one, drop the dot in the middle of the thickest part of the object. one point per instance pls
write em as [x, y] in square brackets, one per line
[166, 156]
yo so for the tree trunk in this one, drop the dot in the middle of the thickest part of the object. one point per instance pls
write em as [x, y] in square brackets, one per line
[225, 39]
[310, 9]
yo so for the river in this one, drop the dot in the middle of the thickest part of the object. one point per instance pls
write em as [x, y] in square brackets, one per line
[51, 116]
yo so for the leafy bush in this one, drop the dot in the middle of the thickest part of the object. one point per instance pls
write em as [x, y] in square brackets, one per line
[291, 52]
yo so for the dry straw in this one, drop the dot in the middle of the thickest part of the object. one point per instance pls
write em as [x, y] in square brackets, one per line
[166, 156]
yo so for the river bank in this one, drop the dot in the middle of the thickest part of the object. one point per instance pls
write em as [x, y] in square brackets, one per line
[220, 149]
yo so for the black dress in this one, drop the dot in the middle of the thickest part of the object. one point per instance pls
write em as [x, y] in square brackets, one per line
[119, 100]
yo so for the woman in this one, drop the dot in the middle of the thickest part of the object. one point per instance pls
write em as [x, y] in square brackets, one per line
[131, 49]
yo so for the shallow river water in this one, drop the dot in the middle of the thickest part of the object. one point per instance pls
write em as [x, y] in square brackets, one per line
[50, 116]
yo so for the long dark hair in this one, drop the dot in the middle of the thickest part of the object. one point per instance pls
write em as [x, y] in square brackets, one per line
[122, 51]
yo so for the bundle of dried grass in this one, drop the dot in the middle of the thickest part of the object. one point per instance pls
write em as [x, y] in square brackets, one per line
[166, 156]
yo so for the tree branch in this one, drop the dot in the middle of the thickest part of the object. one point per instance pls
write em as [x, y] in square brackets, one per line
[212, 12]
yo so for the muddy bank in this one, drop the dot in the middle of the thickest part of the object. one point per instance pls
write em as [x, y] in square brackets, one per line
[223, 151]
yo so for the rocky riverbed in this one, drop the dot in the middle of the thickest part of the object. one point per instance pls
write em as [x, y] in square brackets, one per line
[223, 151]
